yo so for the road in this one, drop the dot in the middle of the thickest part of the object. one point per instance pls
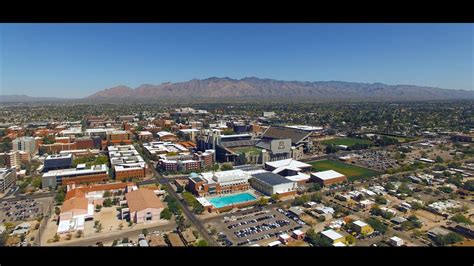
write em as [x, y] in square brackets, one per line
[194, 220]
[107, 237]
[34, 196]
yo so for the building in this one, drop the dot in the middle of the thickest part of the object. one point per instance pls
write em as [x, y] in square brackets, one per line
[74, 212]
[299, 137]
[463, 137]
[144, 206]
[58, 161]
[26, 144]
[363, 228]
[156, 148]
[298, 234]
[81, 153]
[333, 236]
[174, 240]
[329, 177]
[291, 169]
[396, 241]
[145, 136]
[188, 237]
[7, 178]
[284, 238]
[189, 134]
[269, 183]
[71, 132]
[119, 137]
[214, 183]
[78, 175]
[14, 159]
[84, 143]
[167, 136]
[126, 162]
[156, 240]
[207, 157]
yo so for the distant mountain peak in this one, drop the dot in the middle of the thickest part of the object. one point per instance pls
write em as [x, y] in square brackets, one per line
[216, 88]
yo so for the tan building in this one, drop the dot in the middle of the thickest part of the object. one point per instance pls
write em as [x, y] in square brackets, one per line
[144, 205]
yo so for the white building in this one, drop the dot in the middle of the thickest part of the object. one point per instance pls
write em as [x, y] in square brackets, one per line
[396, 241]
[7, 178]
[26, 144]
[269, 183]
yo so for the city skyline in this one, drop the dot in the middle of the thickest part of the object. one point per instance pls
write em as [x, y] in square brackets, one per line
[77, 60]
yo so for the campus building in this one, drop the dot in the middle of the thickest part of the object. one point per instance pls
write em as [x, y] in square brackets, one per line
[143, 206]
[269, 183]
[224, 182]
[14, 159]
[80, 174]
[126, 162]
[26, 144]
[58, 161]
[329, 177]
[7, 178]
[290, 169]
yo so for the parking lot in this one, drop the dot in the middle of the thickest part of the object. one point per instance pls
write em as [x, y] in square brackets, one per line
[23, 210]
[260, 225]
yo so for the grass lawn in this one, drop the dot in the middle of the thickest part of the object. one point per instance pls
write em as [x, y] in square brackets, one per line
[247, 150]
[346, 141]
[352, 172]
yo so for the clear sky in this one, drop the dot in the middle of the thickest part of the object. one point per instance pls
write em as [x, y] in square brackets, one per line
[76, 60]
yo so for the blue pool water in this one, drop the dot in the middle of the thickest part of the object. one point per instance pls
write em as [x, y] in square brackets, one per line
[224, 201]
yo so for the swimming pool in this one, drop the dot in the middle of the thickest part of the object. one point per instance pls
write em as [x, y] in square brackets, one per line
[224, 201]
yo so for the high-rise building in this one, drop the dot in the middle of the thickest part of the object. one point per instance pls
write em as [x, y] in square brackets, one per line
[26, 144]
[7, 178]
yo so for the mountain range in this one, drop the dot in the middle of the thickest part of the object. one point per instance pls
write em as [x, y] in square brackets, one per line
[221, 89]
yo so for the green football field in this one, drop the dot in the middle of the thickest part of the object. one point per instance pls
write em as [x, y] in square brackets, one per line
[346, 141]
[352, 172]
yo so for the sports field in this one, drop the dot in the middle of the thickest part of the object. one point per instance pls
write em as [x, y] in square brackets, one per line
[346, 141]
[352, 172]
[248, 150]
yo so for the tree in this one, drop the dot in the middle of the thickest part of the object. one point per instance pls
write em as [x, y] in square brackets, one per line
[415, 205]
[202, 243]
[226, 166]
[145, 232]
[350, 239]
[317, 197]
[439, 159]
[56, 237]
[446, 190]
[460, 218]
[262, 201]
[79, 233]
[107, 202]
[379, 199]
[61, 195]
[198, 208]
[315, 187]
[99, 228]
[98, 207]
[107, 194]
[377, 225]
[274, 197]
[57, 210]
[166, 214]
[317, 239]
[3, 238]
[120, 226]
[469, 185]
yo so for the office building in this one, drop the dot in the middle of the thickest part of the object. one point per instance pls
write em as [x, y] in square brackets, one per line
[78, 175]
[7, 178]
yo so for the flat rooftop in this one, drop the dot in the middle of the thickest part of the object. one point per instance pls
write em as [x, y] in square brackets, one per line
[271, 178]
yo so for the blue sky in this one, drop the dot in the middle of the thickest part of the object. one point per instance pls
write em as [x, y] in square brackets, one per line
[76, 60]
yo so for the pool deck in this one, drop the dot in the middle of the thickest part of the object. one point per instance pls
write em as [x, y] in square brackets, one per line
[234, 205]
